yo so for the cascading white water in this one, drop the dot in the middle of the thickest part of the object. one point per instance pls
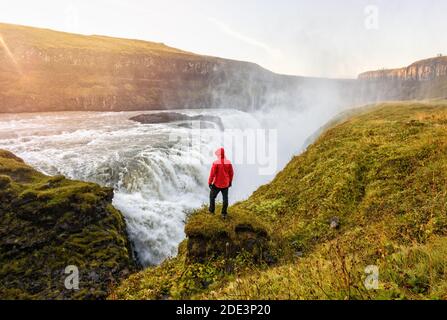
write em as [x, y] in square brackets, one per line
[154, 184]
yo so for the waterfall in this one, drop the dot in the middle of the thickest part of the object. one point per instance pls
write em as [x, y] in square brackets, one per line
[156, 178]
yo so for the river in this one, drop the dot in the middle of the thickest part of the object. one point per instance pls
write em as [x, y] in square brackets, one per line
[158, 171]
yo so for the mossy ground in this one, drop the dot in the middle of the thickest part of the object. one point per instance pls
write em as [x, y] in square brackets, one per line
[48, 223]
[209, 235]
[382, 173]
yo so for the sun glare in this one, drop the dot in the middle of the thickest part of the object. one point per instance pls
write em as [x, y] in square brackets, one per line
[9, 53]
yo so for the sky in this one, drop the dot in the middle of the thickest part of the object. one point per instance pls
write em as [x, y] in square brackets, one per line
[321, 38]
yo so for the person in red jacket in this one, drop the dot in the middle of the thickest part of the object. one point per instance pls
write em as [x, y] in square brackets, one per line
[221, 178]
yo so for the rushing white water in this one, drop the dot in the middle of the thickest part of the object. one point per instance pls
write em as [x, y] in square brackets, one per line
[154, 184]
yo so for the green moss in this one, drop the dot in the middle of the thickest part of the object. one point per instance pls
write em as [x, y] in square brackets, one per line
[415, 272]
[211, 236]
[369, 168]
[16, 169]
[48, 223]
[203, 223]
[5, 181]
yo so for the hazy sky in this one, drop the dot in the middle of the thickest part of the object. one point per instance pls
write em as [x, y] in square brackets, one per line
[315, 38]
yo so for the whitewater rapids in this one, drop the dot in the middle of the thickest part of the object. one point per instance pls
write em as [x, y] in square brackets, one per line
[154, 186]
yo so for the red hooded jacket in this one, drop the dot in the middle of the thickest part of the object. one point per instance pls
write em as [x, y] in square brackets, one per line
[221, 175]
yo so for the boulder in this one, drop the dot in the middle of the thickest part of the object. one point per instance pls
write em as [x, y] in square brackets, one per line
[168, 117]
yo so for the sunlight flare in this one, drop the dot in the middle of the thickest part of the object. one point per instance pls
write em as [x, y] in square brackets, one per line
[10, 54]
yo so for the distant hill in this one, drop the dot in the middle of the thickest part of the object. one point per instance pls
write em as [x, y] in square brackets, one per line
[45, 70]
[425, 79]
[423, 70]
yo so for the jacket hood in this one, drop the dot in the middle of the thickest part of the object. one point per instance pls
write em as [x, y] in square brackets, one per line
[220, 153]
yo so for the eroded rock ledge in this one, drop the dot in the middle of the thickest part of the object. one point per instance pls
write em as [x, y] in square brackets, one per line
[209, 237]
[424, 70]
[49, 223]
[168, 117]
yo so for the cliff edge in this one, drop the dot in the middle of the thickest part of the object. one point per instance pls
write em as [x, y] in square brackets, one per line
[50, 223]
[45, 70]
[368, 197]
[424, 70]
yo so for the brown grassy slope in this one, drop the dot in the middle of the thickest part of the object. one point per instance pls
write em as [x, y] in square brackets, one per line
[58, 71]
[16, 35]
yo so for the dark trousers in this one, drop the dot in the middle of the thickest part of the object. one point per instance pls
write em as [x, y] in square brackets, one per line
[213, 194]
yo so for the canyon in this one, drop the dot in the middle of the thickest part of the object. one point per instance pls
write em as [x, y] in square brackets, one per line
[424, 70]
[44, 70]
[425, 79]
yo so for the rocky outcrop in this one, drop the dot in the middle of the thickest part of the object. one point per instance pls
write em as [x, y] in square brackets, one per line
[426, 79]
[423, 70]
[167, 117]
[209, 237]
[50, 223]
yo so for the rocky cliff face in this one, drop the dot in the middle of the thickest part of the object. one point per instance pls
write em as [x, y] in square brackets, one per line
[426, 79]
[429, 69]
[43, 70]
[50, 223]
